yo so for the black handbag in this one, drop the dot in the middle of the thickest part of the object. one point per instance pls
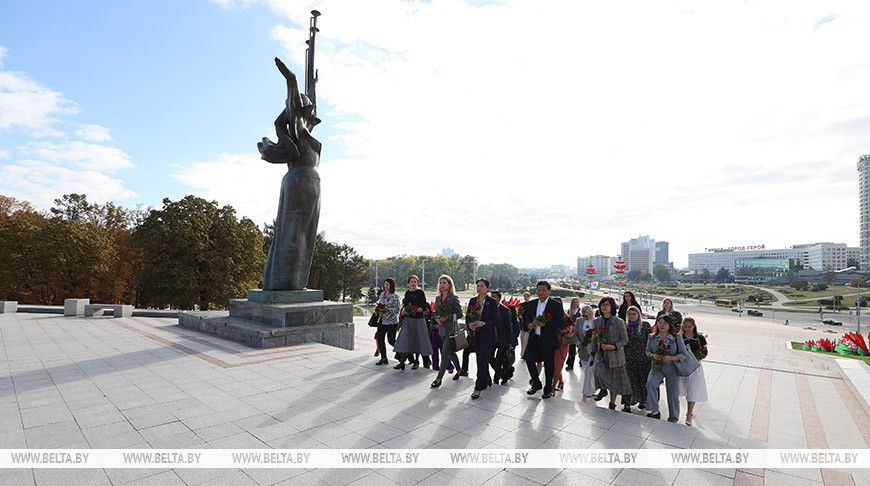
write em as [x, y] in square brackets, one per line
[375, 320]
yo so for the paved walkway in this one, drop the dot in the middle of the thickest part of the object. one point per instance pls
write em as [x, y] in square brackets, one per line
[146, 383]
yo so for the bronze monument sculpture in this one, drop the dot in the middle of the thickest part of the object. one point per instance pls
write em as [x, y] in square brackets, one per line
[289, 260]
[284, 312]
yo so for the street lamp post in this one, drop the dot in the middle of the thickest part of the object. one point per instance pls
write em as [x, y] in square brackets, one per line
[424, 275]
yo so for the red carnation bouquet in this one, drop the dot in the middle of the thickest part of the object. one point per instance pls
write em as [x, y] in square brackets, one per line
[599, 335]
[381, 309]
[473, 314]
[663, 350]
[412, 310]
[544, 319]
[587, 337]
[442, 308]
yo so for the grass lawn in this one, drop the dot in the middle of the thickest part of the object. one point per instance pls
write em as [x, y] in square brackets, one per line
[799, 347]
[808, 294]
[718, 291]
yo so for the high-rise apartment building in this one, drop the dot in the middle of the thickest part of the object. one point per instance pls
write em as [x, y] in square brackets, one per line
[662, 257]
[639, 254]
[864, 208]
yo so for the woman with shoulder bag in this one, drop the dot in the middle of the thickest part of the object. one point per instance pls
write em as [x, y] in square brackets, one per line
[447, 326]
[665, 348]
[388, 302]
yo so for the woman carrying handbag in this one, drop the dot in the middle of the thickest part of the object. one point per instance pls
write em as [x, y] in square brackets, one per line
[447, 326]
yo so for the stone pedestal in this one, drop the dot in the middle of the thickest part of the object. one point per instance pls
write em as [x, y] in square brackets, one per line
[75, 307]
[278, 318]
[8, 306]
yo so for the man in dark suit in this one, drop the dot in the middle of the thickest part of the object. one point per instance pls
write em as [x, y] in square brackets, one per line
[505, 334]
[543, 337]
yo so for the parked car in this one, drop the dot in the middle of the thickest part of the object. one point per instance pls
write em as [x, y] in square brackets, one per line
[832, 322]
[736, 309]
[648, 316]
[753, 312]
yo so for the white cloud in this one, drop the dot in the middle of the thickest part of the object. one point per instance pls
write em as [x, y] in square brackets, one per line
[3, 52]
[87, 156]
[41, 182]
[251, 185]
[39, 169]
[26, 104]
[534, 135]
[94, 133]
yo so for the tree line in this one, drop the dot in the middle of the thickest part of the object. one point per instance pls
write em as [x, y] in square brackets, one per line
[190, 253]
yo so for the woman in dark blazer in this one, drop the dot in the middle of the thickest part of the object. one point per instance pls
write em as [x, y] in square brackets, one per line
[610, 371]
[446, 326]
[483, 334]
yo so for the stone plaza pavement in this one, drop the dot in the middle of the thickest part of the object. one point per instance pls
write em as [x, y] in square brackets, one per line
[136, 382]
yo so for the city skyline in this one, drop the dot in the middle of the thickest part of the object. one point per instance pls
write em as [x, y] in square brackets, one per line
[588, 123]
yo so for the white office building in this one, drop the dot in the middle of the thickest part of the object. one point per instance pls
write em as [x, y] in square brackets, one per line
[603, 265]
[818, 256]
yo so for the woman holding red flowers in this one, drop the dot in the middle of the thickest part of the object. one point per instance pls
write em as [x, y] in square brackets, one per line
[483, 332]
[694, 386]
[446, 325]
[636, 361]
[583, 326]
[610, 372]
[414, 335]
[663, 348]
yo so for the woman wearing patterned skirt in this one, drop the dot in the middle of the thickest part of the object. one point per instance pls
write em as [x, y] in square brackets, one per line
[636, 362]
[414, 335]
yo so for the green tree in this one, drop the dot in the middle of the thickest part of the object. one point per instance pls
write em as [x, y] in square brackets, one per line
[338, 271]
[196, 253]
[723, 275]
[633, 276]
[72, 207]
[705, 275]
[372, 295]
[799, 285]
[829, 276]
[662, 273]
[853, 262]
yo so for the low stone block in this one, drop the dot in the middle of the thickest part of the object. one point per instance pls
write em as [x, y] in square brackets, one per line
[290, 315]
[8, 306]
[220, 323]
[118, 310]
[75, 307]
[285, 296]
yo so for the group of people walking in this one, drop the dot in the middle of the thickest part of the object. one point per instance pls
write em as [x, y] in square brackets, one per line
[619, 353]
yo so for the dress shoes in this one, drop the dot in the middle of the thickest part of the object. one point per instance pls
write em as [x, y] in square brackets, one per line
[534, 389]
